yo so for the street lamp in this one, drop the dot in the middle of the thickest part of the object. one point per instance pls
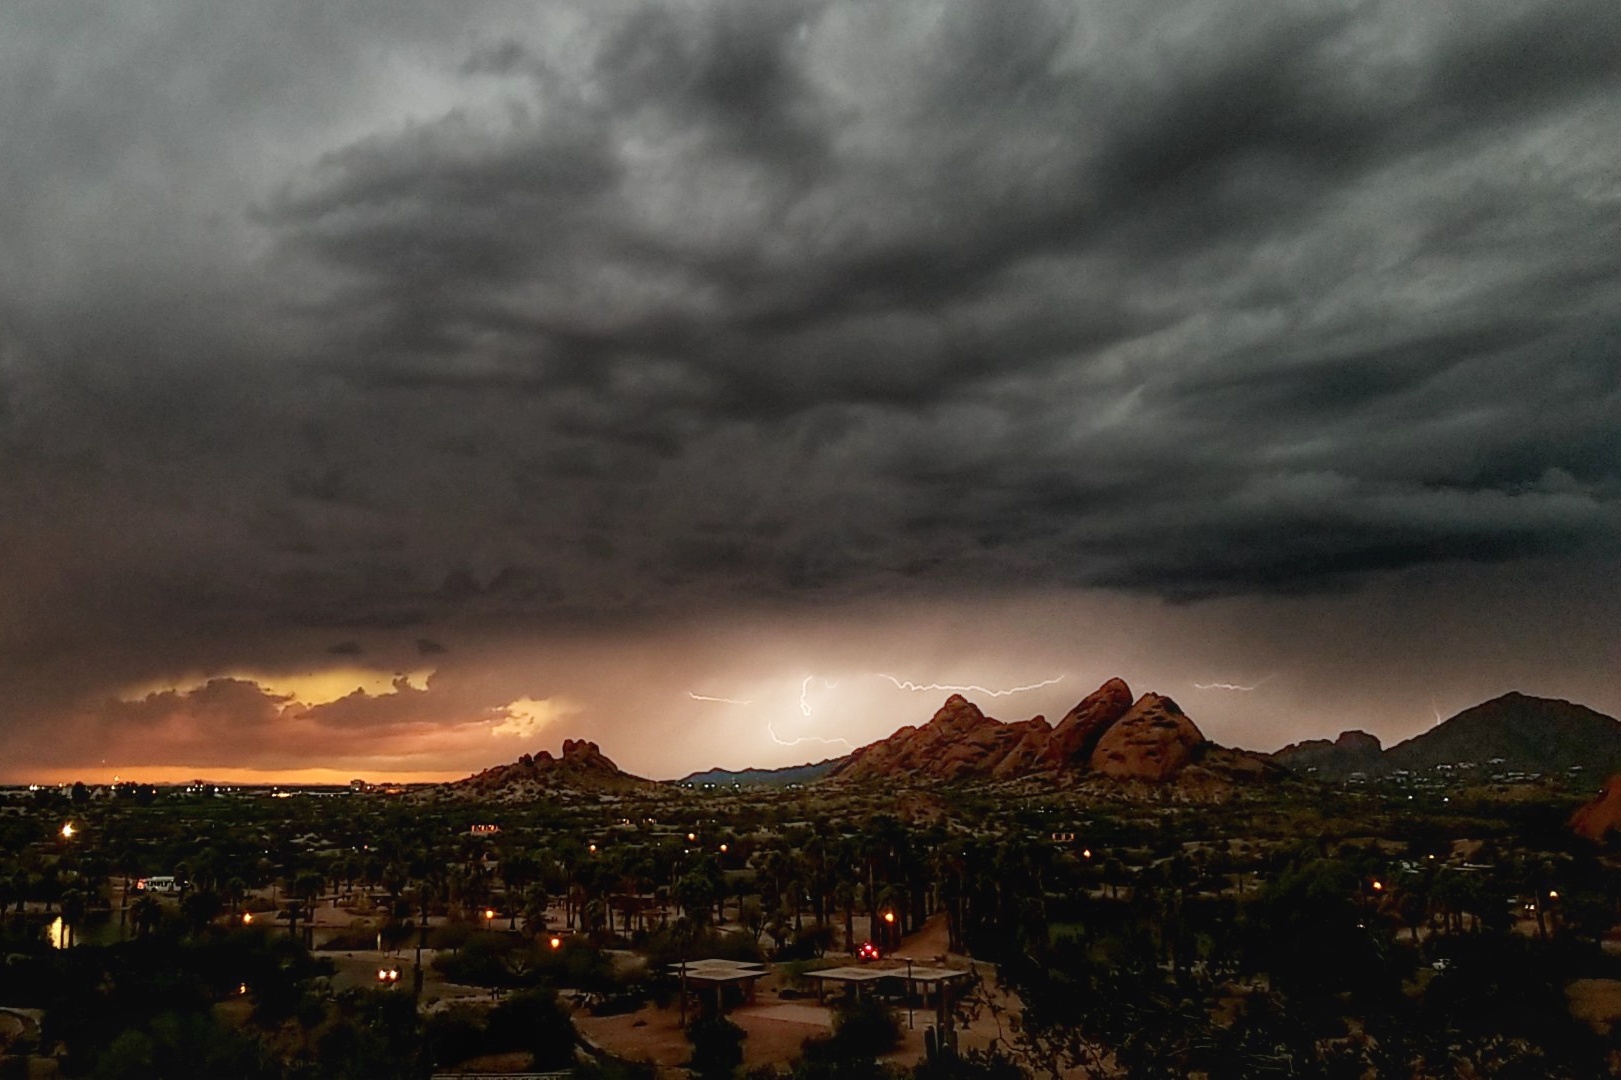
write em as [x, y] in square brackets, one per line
[68, 830]
[910, 1025]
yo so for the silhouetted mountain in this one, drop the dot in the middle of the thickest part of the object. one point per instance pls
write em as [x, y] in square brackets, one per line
[1353, 751]
[1529, 734]
[1512, 733]
[788, 774]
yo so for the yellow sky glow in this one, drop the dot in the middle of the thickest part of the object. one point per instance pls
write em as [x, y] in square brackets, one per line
[306, 687]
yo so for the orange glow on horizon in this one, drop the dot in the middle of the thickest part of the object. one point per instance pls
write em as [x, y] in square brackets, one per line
[215, 774]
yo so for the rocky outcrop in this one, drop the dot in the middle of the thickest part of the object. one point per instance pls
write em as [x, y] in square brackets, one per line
[1597, 819]
[1106, 734]
[583, 767]
[1077, 734]
[957, 743]
[1353, 751]
[1154, 741]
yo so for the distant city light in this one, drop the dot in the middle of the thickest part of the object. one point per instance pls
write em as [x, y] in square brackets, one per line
[68, 830]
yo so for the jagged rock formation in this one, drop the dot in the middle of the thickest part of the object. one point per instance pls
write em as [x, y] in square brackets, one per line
[1602, 816]
[1077, 734]
[1154, 741]
[1353, 751]
[957, 743]
[583, 767]
[1107, 734]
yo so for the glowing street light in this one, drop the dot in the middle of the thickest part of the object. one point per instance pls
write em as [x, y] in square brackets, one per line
[489, 914]
[692, 838]
[1378, 886]
[556, 942]
[68, 830]
[247, 918]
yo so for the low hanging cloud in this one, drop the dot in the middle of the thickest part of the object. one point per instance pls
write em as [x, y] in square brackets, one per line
[580, 319]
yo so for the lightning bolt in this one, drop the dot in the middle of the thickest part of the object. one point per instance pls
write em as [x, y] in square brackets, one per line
[722, 700]
[1231, 686]
[907, 684]
[846, 743]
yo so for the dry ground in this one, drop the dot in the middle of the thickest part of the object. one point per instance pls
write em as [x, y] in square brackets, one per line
[777, 1027]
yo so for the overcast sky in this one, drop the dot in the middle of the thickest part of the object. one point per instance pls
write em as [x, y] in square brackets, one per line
[394, 388]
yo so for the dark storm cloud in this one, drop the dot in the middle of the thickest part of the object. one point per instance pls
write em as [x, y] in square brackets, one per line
[321, 325]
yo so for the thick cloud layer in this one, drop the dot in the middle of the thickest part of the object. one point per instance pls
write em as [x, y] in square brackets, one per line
[326, 330]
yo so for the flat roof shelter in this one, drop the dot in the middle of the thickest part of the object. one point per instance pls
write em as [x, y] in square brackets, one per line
[925, 982]
[718, 974]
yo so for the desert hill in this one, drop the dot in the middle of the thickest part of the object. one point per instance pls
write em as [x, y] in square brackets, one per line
[1512, 733]
[583, 767]
[1353, 751]
[781, 777]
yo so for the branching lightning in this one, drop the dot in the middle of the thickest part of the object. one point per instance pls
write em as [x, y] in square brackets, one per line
[721, 700]
[906, 684]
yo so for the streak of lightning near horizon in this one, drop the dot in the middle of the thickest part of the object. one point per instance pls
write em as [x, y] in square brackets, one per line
[846, 743]
[722, 700]
[1240, 688]
[907, 684]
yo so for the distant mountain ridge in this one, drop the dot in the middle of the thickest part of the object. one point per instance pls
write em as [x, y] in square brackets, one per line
[1515, 733]
[779, 777]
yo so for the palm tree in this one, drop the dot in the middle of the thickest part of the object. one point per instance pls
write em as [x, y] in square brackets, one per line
[73, 908]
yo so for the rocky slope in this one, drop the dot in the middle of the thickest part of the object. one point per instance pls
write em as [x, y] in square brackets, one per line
[1154, 740]
[1602, 816]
